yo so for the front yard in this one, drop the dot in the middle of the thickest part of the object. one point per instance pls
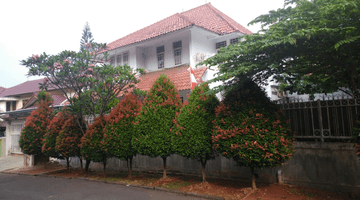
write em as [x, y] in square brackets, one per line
[228, 189]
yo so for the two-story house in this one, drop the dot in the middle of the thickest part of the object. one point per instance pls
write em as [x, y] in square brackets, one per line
[173, 44]
[18, 102]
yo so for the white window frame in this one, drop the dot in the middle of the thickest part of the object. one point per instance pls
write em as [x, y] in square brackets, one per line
[112, 60]
[177, 49]
[125, 55]
[160, 53]
[218, 45]
[117, 59]
[234, 41]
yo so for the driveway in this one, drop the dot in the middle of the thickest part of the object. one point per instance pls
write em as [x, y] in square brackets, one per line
[37, 187]
[11, 162]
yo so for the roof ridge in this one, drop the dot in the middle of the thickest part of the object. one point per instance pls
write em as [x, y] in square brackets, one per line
[218, 13]
[185, 18]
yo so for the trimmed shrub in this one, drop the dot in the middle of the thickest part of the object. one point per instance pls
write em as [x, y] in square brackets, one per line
[92, 145]
[68, 141]
[192, 134]
[53, 130]
[32, 135]
[251, 129]
[120, 128]
[157, 118]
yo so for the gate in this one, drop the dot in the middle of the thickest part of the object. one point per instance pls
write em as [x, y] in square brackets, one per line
[15, 137]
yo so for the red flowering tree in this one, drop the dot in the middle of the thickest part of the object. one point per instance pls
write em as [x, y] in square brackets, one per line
[192, 136]
[53, 130]
[68, 141]
[156, 120]
[92, 145]
[251, 129]
[120, 128]
[35, 126]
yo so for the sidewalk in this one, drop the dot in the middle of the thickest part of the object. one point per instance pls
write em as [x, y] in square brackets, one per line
[11, 162]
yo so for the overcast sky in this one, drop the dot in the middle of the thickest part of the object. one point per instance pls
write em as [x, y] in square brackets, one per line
[34, 27]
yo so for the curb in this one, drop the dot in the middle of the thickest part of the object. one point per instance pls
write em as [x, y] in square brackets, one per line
[46, 174]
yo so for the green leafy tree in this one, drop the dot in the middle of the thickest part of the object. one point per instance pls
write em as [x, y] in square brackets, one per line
[157, 118]
[89, 84]
[308, 46]
[68, 140]
[251, 129]
[53, 130]
[120, 129]
[92, 144]
[86, 37]
[192, 136]
[32, 134]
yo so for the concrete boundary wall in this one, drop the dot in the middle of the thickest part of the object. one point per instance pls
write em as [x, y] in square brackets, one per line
[328, 166]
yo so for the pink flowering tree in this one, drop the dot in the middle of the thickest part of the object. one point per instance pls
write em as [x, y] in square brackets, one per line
[86, 80]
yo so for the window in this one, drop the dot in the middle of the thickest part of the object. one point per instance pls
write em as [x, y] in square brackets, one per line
[118, 59]
[177, 52]
[160, 56]
[220, 44]
[8, 106]
[125, 58]
[234, 41]
[112, 60]
[182, 99]
[14, 105]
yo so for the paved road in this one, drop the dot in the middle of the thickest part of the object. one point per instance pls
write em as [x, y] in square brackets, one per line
[11, 162]
[37, 187]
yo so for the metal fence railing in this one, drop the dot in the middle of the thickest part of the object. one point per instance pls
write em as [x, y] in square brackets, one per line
[322, 119]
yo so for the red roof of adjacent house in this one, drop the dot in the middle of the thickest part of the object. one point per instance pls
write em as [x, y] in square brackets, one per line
[178, 75]
[23, 88]
[2, 89]
[58, 99]
[205, 16]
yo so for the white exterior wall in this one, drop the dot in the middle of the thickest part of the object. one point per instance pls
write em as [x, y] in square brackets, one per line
[143, 54]
[150, 54]
[2, 106]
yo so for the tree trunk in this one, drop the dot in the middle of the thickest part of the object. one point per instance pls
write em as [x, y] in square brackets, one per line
[67, 163]
[203, 164]
[87, 164]
[104, 162]
[164, 174]
[81, 164]
[253, 178]
[130, 170]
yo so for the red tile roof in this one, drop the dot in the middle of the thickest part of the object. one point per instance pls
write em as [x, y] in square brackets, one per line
[23, 88]
[205, 16]
[32, 102]
[178, 75]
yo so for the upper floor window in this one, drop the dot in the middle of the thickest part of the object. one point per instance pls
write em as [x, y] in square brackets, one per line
[220, 44]
[10, 106]
[160, 56]
[234, 41]
[126, 59]
[112, 60]
[177, 52]
[118, 59]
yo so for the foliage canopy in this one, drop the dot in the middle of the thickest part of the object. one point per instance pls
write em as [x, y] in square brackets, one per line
[308, 46]
[32, 134]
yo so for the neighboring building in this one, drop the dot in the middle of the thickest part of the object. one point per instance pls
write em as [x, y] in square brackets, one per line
[183, 39]
[16, 103]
